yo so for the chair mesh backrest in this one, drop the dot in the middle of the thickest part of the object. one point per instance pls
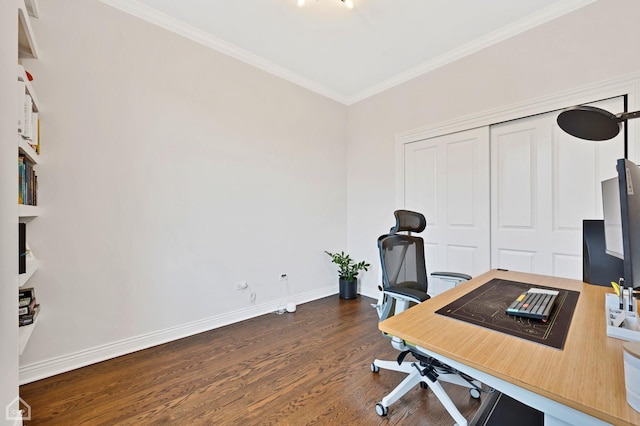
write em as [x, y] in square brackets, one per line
[402, 256]
[408, 221]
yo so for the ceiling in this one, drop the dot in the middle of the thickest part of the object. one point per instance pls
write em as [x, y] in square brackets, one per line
[348, 55]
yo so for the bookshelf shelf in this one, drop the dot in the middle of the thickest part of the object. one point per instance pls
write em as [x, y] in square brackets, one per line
[25, 148]
[32, 266]
[24, 333]
[27, 45]
[25, 211]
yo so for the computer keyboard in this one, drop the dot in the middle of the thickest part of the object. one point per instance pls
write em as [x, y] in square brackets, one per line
[535, 303]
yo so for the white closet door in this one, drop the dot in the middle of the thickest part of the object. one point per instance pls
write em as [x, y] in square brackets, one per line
[544, 182]
[447, 180]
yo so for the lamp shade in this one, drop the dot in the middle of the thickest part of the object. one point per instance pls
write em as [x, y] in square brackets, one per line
[591, 123]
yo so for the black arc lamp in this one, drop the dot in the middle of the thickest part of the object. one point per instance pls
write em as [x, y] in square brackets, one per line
[591, 123]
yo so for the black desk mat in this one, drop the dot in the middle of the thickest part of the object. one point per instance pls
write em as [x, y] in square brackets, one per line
[486, 305]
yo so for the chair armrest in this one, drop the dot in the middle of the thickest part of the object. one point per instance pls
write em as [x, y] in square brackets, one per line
[454, 275]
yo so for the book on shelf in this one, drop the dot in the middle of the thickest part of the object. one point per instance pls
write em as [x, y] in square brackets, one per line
[25, 122]
[22, 248]
[20, 176]
[28, 117]
[26, 293]
[27, 182]
[35, 132]
[26, 306]
[29, 318]
[38, 141]
[22, 87]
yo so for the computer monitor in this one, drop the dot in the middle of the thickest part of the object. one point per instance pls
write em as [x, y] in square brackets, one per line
[629, 207]
[612, 218]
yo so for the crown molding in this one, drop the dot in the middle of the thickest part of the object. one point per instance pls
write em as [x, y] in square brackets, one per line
[139, 10]
[153, 16]
[548, 14]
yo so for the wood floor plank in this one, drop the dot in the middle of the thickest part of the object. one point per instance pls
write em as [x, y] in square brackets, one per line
[310, 367]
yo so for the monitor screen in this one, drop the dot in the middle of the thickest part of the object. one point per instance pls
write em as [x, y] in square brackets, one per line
[612, 218]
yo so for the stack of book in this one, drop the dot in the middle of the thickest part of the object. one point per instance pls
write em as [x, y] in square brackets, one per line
[27, 182]
[27, 307]
[28, 120]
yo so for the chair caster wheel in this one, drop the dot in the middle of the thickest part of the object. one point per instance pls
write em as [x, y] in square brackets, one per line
[381, 410]
[475, 393]
[423, 385]
[374, 368]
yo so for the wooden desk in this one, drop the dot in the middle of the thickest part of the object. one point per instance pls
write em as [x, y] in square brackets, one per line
[577, 385]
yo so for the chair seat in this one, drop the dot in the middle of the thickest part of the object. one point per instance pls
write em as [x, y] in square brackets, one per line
[403, 289]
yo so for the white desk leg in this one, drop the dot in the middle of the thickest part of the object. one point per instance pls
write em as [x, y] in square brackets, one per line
[555, 413]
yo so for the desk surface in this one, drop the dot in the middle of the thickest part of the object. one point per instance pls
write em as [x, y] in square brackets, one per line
[587, 375]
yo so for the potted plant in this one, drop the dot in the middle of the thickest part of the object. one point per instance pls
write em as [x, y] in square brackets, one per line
[348, 272]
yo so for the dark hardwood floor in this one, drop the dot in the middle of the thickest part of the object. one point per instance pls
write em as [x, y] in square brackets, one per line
[311, 367]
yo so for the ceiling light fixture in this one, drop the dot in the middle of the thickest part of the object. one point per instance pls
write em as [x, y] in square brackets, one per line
[348, 3]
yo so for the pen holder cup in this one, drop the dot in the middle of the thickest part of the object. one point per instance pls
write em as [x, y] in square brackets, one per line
[632, 373]
[621, 323]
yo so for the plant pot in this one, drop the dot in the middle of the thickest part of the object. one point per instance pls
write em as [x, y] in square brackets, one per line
[348, 289]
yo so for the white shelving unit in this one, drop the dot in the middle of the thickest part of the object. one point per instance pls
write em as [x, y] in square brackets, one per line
[27, 47]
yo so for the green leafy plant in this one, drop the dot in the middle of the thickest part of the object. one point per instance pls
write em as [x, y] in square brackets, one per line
[347, 268]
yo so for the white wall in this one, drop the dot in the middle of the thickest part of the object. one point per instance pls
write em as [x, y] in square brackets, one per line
[8, 208]
[590, 45]
[170, 172]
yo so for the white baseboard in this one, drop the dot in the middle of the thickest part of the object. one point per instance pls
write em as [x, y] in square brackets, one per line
[370, 292]
[47, 368]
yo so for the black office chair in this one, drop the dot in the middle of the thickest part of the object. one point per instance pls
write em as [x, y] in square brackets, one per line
[404, 284]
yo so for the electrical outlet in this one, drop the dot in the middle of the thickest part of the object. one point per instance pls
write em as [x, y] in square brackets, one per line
[241, 285]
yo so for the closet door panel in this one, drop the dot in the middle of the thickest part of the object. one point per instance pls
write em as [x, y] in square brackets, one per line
[517, 260]
[515, 174]
[459, 184]
[447, 179]
[421, 180]
[572, 199]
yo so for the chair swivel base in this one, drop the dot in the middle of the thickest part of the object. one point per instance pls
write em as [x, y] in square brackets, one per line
[414, 377]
